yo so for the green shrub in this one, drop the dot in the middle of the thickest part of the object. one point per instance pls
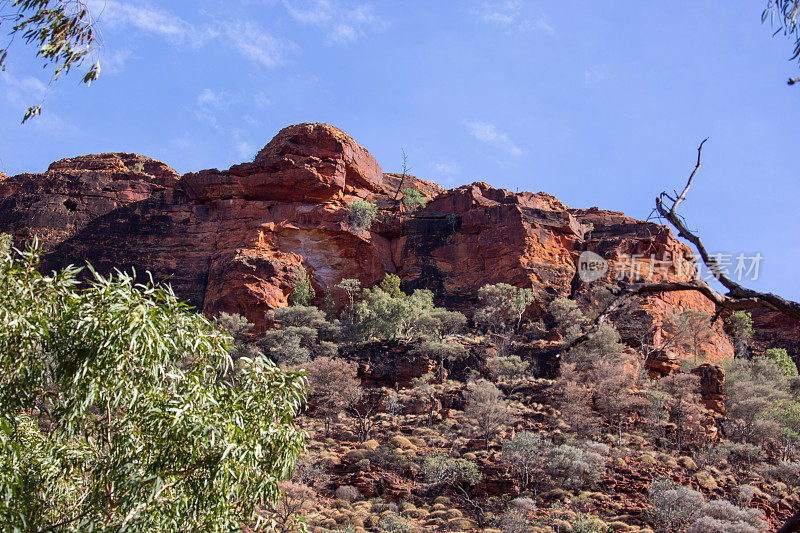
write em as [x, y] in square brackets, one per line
[783, 360]
[303, 292]
[361, 214]
[673, 507]
[502, 306]
[413, 199]
[575, 468]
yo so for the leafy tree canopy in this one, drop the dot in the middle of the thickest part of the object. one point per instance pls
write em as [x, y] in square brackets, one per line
[120, 409]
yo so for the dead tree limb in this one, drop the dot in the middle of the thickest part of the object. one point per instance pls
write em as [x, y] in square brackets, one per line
[738, 298]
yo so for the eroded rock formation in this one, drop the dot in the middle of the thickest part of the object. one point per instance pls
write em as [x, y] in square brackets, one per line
[233, 240]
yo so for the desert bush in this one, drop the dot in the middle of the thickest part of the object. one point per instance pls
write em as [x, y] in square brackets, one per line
[394, 523]
[575, 397]
[440, 352]
[785, 471]
[361, 214]
[603, 346]
[331, 384]
[501, 306]
[759, 402]
[302, 291]
[524, 454]
[568, 318]
[287, 513]
[740, 324]
[574, 468]
[783, 360]
[514, 521]
[441, 469]
[413, 199]
[347, 493]
[720, 516]
[673, 507]
[683, 404]
[585, 523]
[486, 408]
[689, 331]
[740, 454]
[509, 368]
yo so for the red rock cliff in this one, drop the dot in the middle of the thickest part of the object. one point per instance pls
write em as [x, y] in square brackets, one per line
[232, 240]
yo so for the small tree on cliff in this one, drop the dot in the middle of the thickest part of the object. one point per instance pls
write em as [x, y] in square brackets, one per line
[502, 306]
[303, 292]
[486, 408]
[690, 331]
[361, 214]
[741, 325]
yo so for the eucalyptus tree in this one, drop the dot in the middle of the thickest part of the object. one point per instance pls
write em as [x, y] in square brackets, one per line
[122, 410]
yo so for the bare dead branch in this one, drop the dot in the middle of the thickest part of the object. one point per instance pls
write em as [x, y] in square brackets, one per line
[738, 298]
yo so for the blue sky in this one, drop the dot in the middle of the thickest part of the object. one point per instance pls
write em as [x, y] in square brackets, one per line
[599, 103]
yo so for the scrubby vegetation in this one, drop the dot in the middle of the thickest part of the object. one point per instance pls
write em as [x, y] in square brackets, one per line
[418, 418]
[423, 419]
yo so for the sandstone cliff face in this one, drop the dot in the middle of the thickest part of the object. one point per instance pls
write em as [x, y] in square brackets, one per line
[233, 240]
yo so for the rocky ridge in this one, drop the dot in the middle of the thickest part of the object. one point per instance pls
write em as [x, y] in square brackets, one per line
[232, 240]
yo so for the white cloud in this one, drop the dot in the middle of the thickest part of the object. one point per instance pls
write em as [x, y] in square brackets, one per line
[149, 19]
[487, 133]
[341, 20]
[246, 37]
[21, 93]
[447, 169]
[113, 61]
[594, 76]
[510, 14]
[210, 98]
[254, 43]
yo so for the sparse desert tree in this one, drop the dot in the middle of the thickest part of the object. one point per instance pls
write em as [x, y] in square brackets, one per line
[440, 352]
[576, 467]
[753, 387]
[575, 400]
[689, 331]
[329, 384]
[486, 408]
[288, 511]
[673, 507]
[616, 395]
[524, 454]
[568, 318]
[741, 326]
[351, 287]
[361, 214]
[683, 404]
[458, 474]
[413, 199]
[509, 369]
[502, 306]
[424, 387]
[302, 292]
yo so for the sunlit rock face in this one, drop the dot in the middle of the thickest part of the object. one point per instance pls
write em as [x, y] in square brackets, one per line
[233, 240]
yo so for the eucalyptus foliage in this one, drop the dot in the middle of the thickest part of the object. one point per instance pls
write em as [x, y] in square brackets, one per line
[61, 30]
[122, 410]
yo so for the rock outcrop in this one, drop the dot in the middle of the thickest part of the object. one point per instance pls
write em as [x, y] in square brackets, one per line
[234, 240]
